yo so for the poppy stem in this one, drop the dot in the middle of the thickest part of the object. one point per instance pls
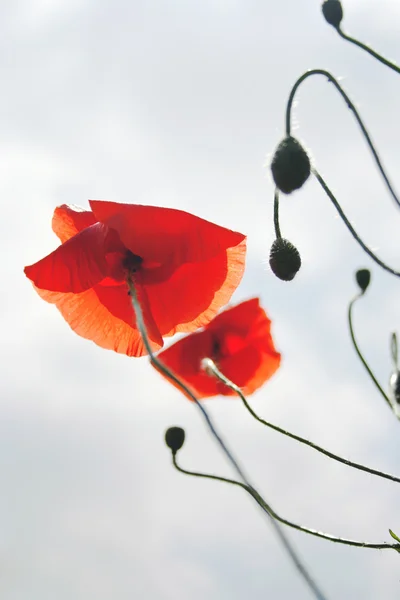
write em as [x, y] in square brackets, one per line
[276, 215]
[349, 226]
[170, 375]
[267, 507]
[212, 369]
[368, 49]
[360, 356]
[352, 107]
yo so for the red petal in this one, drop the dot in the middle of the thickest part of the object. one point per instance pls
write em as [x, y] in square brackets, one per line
[165, 235]
[249, 369]
[195, 292]
[250, 357]
[247, 353]
[249, 322]
[75, 266]
[105, 316]
[184, 359]
[241, 317]
[68, 221]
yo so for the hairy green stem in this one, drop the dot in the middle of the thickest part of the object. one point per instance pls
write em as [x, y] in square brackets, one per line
[278, 234]
[212, 369]
[320, 534]
[352, 107]
[368, 49]
[359, 354]
[349, 226]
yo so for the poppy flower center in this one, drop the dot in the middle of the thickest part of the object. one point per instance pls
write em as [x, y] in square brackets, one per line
[215, 349]
[132, 262]
[226, 346]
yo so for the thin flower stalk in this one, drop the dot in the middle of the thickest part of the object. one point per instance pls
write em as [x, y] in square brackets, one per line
[360, 355]
[213, 370]
[368, 49]
[354, 110]
[320, 534]
[349, 226]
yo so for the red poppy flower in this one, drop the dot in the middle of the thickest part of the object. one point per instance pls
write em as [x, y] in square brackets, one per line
[238, 340]
[184, 268]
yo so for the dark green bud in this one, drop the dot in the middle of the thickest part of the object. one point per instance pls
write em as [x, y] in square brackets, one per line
[174, 438]
[333, 12]
[290, 165]
[394, 384]
[284, 259]
[363, 277]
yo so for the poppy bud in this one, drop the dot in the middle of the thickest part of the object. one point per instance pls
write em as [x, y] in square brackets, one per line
[394, 384]
[284, 259]
[333, 12]
[363, 277]
[290, 165]
[174, 438]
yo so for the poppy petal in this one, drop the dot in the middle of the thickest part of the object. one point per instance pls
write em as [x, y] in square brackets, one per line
[184, 358]
[240, 342]
[195, 292]
[105, 316]
[249, 369]
[248, 321]
[165, 235]
[70, 220]
[240, 317]
[75, 266]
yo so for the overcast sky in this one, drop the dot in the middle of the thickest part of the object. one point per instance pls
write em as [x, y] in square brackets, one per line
[180, 103]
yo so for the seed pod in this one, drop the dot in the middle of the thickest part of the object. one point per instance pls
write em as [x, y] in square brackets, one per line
[363, 277]
[394, 383]
[333, 12]
[174, 438]
[290, 165]
[284, 259]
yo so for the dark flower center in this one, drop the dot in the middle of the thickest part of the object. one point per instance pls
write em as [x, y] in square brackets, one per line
[215, 349]
[131, 262]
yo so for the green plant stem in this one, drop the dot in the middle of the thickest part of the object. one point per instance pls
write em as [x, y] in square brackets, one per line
[278, 234]
[352, 107]
[212, 369]
[170, 375]
[320, 534]
[370, 51]
[360, 356]
[349, 226]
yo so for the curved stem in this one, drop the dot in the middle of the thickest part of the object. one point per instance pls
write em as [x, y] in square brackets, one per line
[213, 369]
[170, 375]
[356, 115]
[381, 59]
[263, 504]
[276, 215]
[350, 227]
[360, 356]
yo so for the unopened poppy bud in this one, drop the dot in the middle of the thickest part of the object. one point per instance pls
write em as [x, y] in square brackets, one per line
[363, 277]
[290, 165]
[284, 259]
[394, 384]
[174, 438]
[333, 12]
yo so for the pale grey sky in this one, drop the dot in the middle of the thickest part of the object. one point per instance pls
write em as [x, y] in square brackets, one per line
[180, 103]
